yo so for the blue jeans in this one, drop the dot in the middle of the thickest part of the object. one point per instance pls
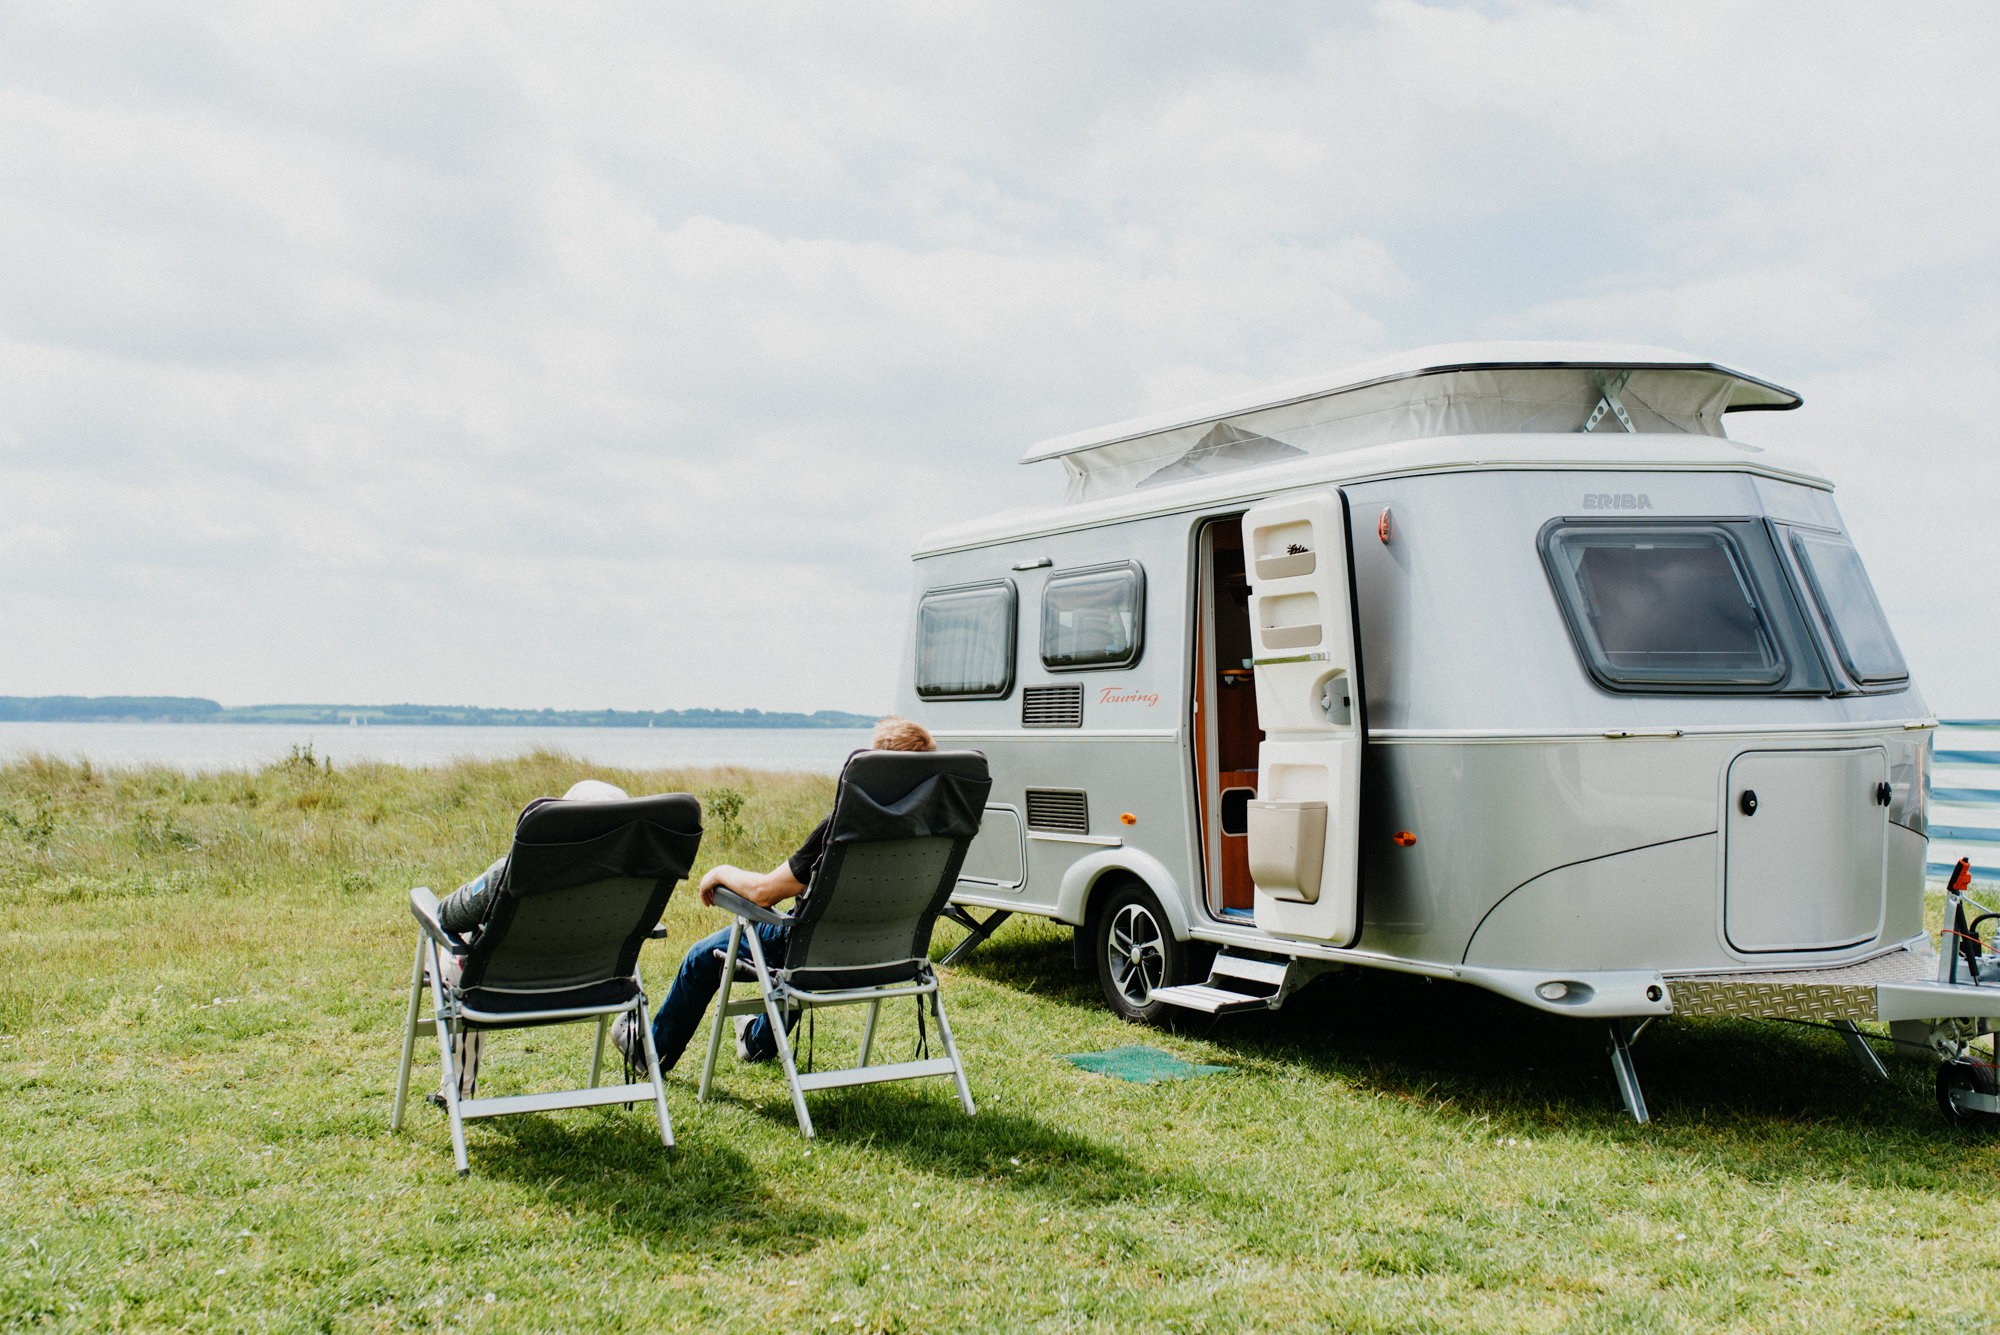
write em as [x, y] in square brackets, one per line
[701, 973]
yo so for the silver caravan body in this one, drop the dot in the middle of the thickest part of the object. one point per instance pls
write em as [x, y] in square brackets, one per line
[1340, 674]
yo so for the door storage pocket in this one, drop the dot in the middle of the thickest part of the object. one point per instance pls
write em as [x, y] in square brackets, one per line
[1287, 847]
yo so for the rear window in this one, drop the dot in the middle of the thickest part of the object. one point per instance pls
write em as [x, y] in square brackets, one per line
[965, 642]
[1662, 607]
[1847, 600]
[1094, 618]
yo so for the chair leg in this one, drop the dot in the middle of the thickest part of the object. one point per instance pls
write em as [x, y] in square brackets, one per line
[653, 1070]
[409, 1038]
[784, 1039]
[951, 1051]
[868, 1032]
[791, 1067]
[447, 1056]
[597, 1053]
[721, 1010]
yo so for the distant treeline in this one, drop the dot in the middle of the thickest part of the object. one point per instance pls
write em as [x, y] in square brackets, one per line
[184, 709]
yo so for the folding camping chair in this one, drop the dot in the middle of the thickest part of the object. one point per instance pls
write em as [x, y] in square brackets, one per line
[861, 931]
[584, 887]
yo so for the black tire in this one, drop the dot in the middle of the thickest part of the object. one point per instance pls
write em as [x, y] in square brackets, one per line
[1136, 951]
[1966, 1077]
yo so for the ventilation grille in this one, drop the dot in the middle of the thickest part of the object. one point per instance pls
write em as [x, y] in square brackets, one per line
[1052, 706]
[1057, 809]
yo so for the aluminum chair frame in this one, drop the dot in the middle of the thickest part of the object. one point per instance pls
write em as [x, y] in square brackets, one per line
[449, 1020]
[580, 892]
[860, 935]
[776, 998]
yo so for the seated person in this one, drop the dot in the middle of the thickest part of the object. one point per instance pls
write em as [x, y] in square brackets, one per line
[465, 910]
[701, 970]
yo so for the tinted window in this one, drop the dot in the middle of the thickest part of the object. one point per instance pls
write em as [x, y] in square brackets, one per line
[1094, 618]
[1847, 601]
[965, 642]
[1662, 606]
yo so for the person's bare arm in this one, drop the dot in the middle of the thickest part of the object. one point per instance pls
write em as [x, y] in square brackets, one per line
[763, 888]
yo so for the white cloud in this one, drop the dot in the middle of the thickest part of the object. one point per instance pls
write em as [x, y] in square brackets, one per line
[616, 354]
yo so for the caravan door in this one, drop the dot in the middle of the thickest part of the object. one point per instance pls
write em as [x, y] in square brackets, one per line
[1304, 822]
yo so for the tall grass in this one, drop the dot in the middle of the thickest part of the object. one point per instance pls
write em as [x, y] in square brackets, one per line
[201, 981]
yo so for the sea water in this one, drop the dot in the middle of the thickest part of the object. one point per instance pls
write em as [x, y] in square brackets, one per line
[195, 747]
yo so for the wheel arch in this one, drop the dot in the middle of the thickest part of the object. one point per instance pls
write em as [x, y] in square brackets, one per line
[1088, 876]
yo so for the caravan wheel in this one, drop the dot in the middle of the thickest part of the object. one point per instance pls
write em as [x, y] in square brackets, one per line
[1136, 952]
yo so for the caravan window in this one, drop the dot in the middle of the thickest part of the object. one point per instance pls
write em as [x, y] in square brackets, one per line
[1847, 600]
[965, 642]
[1658, 607]
[1094, 618]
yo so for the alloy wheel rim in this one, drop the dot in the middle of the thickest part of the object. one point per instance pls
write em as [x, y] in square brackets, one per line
[1138, 961]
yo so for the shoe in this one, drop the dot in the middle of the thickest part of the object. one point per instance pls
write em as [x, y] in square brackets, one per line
[743, 1053]
[625, 1037]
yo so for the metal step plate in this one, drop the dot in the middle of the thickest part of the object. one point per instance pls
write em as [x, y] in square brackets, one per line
[1844, 992]
[1209, 1000]
[1256, 971]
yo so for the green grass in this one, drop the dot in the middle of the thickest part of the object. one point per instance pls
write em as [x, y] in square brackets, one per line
[203, 979]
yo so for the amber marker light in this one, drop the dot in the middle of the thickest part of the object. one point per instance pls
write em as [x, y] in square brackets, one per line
[1128, 819]
[1405, 839]
[1382, 529]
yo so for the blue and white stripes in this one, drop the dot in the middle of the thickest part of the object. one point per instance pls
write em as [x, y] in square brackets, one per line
[1963, 814]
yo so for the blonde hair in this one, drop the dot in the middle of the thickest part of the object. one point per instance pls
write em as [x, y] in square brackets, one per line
[899, 734]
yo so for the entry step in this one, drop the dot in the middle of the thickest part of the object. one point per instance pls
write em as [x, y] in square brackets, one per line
[1238, 983]
[1209, 1000]
[1250, 969]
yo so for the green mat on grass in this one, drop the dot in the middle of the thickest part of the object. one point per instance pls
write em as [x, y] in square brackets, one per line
[1140, 1065]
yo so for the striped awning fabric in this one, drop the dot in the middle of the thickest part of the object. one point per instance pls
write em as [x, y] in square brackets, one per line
[1963, 817]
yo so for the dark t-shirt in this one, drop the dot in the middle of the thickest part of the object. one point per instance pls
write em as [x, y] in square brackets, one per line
[810, 852]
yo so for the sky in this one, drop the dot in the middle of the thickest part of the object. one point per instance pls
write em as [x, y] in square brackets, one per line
[605, 355]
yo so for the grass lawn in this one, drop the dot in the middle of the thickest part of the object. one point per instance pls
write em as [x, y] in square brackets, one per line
[201, 991]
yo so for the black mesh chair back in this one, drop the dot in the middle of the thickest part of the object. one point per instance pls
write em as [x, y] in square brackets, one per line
[585, 883]
[902, 821]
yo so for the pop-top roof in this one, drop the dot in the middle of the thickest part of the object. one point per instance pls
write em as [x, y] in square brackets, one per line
[1451, 390]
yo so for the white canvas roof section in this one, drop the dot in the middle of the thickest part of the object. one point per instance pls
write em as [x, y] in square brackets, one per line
[1451, 390]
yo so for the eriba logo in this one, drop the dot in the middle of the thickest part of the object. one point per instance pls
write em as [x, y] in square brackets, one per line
[1604, 500]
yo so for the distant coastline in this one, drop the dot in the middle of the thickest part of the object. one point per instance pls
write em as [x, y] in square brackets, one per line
[186, 709]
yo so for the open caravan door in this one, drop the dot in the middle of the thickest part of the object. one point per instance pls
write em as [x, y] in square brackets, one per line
[1304, 824]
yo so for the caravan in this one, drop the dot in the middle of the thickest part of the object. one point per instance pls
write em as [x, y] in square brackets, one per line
[1495, 663]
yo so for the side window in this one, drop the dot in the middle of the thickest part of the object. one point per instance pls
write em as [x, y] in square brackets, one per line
[1847, 600]
[1662, 607]
[1094, 618]
[965, 642]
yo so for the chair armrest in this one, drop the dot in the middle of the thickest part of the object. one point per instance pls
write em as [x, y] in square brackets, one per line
[730, 901]
[424, 908]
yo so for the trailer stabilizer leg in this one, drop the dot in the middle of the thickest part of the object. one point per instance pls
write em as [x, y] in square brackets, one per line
[977, 931]
[1869, 1061]
[1628, 1075]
